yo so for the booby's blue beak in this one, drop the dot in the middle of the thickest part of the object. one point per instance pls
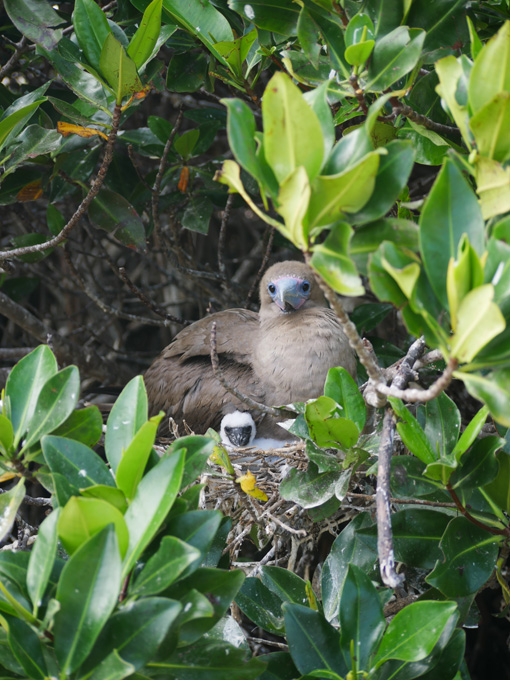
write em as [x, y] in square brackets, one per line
[289, 293]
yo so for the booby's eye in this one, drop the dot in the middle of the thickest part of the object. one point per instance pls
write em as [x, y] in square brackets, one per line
[305, 287]
[271, 288]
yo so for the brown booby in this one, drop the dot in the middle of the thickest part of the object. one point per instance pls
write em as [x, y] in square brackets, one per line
[278, 356]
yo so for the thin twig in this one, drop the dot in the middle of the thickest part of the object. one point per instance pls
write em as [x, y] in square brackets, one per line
[473, 520]
[14, 58]
[263, 265]
[143, 298]
[398, 108]
[243, 398]
[80, 211]
[222, 236]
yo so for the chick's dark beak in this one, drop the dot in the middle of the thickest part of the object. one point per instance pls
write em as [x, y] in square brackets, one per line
[239, 436]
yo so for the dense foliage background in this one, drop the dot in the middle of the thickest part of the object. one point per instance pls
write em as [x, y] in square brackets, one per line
[155, 157]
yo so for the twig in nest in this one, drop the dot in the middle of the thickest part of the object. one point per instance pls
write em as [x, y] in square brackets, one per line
[243, 398]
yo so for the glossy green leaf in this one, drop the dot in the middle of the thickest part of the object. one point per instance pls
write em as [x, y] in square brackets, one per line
[6, 435]
[236, 51]
[470, 555]
[361, 617]
[442, 423]
[479, 465]
[309, 488]
[368, 238]
[281, 16]
[450, 211]
[318, 100]
[499, 489]
[154, 497]
[341, 387]
[327, 425]
[9, 504]
[136, 631]
[186, 72]
[261, 605]
[114, 214]
[110, 494]
[402, 266]
[27, 649]
[292, 132]
[134, 459]
[87, 591]
[429, 147]
[395, 54]
[449, 71]
[332, 260]
[308, 35]
[91, 29]
[488, 126]
[313, 642]
[464, 273]
[493, 183]
[479, 321]
[289, 587]
[127, 416]
[42, 558]
[23, 385]
[84, 425]
[293, 199]
[81, 466]
[412, 433]
[471, 432]
[346, 549]
[20, 116]
[118, 69]
[83, 518]
[206, 659]
[112, 668]
[165, 566]
[35, 19]
[198, 529]
[54, 404]
[144, 40]
[414, 631]
[203, 21]
[332, 32]
[491, 70]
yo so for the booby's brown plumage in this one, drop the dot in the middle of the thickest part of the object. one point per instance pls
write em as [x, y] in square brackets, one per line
[278, 356]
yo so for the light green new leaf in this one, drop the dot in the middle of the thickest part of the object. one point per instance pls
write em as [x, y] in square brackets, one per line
[42, 558]
[493, 389]
[293, 200]
[493, 186]
[144, 40]
[346, 192]
[333, 262]
[464, 274]
[412, 433]
[449, 71]
[292, 132]
[490, 127]
[83, 518]
[491, 70]
[135, 457]
[6, 436]
[127, 416]
[479, 321]
[119, 69]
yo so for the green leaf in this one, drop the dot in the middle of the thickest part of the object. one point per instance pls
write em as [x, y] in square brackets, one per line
[499, 489]
[197, 215]
[83, 518]
[112, 668]
[313, 642]
[110, 494]
[362, 622]
[197, 450]
[136, 631]
[27, 649]
[470, 555]
[201, 20]
[165, 566]
[479, 465]
[261, 605]
[331, 259]
[9, 504]
[289, 587]
[491, 70]
[127, 416]
[341, 387]
[23, 385]
[471, 432]
[309, 489]
[479, 321]
[55, 402]
[6, 436]
[442, 423]
[198, 529]
[392, 175]
[42, 559]
[281, 16]
[118, 69]
[488, 126]
[87, 591]
[84, 425]
[114, 214]
[81, 466]
[185, 143]
[153, 499]
[450, 211]
[412, 433]
[414, 631]
[91, 29]
[308, 35]
[327, 427]
[449, 71]
[17, 118]
[292, 132]
[187, 72]
[134, 459]
[345, 192]
[394, 55]
[35, 19]
[368, 238]
[144, 40]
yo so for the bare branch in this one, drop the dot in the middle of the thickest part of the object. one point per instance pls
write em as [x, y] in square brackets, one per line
[222, 236]
[143, 298]
[80, 211]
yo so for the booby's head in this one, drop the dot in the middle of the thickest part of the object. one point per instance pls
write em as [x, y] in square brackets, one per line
[237, 429]
[288, 287]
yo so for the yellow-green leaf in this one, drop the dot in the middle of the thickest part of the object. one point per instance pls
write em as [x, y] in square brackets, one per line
[119, 69]
[293, 201]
